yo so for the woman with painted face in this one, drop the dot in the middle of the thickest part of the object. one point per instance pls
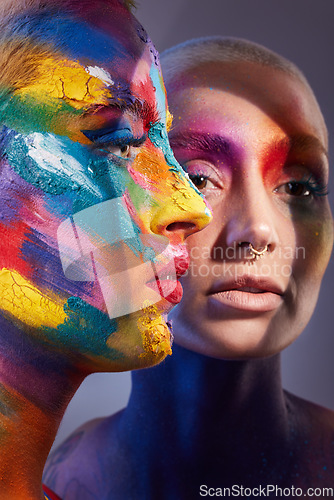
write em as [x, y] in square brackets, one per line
[249, 133]
[93, 216]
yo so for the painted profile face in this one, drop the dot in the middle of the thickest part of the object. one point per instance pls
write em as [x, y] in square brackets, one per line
[253, 140]
[94, 207]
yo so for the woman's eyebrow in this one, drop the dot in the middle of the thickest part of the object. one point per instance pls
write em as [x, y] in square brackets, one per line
[204, 142]
[301, 143]
[142, 110]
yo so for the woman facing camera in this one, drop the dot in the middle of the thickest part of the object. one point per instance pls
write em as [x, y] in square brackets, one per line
[249, 132]
[93, 215]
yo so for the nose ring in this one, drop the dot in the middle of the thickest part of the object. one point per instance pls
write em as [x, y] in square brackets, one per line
[257, 253]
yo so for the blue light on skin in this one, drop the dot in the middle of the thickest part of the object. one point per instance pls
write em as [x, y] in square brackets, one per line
[157, 81]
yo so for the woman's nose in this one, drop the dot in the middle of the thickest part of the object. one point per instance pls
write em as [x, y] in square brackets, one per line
[252, 220]
[184, 213]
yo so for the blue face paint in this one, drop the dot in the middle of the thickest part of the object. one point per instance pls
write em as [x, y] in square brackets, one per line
[52, 30]
[86, 329]
[53, 164]
[100, 243]
[114, 136]
[156, 78]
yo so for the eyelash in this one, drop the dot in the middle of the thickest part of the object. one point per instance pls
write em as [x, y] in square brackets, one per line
[128, 141]
[202, 172]
[102, 141]
[202, 177]
[119, 143]
[314, 187]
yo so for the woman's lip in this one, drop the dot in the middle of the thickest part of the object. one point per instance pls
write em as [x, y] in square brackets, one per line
[176, 295]
[170, 290]
[181, 266]
[178, 261]
[166, 280]
[250, 284]
[181, 261]
[259, 301]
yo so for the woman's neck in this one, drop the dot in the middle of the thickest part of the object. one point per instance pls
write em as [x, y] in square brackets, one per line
[198, 407]
[35, 388]
[200, 385]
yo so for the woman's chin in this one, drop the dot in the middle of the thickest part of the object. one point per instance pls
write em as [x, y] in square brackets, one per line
[142, 339]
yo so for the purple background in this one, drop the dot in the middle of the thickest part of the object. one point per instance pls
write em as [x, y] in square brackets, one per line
[301, 30]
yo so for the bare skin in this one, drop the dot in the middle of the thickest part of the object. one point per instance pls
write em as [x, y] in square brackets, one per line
[215, 413]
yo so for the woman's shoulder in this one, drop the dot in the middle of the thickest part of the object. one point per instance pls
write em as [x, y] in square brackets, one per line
[309, 414]
[311, 438]
[73, 468]
[311, 428]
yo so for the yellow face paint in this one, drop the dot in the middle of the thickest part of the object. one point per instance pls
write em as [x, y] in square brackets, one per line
[165, 187]
[169, 120]
[154, 331]
[69, 81]
[18, 295]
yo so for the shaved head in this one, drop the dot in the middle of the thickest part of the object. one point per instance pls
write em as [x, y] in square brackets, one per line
[195, 56]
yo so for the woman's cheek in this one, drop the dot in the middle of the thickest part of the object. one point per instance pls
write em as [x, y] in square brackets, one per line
[315, 240]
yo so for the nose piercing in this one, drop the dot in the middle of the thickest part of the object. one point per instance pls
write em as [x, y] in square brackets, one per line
[257, 253]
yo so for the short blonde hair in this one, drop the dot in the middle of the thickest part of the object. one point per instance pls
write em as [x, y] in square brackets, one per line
[193, 53]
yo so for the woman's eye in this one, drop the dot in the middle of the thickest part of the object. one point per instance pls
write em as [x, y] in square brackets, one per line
[204, 176]
[120, 143]
[123, 151]
[297, 189]
[308, 188]
[200, 181]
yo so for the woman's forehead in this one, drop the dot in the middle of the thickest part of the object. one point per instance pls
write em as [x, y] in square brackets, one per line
[107, 35]
[67, 66]
[77, 39]
[224, 87]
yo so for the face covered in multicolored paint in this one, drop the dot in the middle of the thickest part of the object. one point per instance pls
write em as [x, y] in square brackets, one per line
[95, 208]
